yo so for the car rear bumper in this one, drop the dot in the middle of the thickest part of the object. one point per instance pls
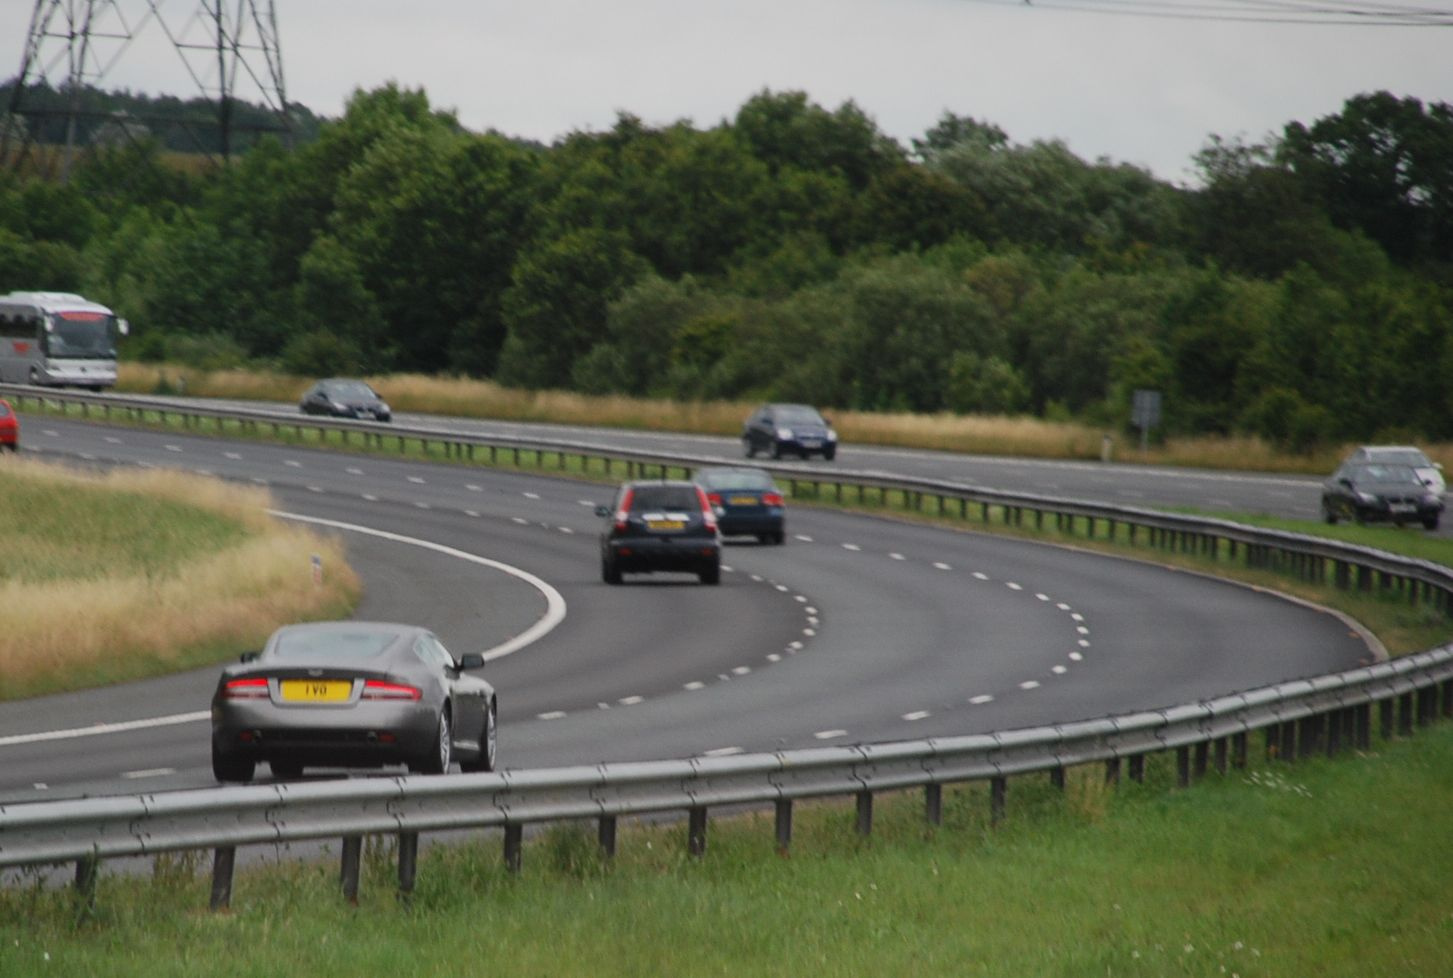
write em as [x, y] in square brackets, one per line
[750, 524]
[364, 735]
[638, 554]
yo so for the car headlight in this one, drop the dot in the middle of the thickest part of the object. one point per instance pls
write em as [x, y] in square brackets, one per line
[1368, 499]
[831, 435]
[784, 434]
[382, 408]
[339, 407]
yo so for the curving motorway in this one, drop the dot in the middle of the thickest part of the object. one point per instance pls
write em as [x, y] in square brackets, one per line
[859, 629]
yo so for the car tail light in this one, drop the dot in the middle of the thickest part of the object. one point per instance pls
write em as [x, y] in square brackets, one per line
[708, 516]
[245, 689]
[714, 498]
[772, 499]
[377, 689]
[623, 514]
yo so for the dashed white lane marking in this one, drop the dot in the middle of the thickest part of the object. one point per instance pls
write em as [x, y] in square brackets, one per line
[1077, 616]
[942, 566]
[1059, 670]
[721, 752]
[980, 575]
[916, 715]
[259, 481]
[830, 734]
[852, 546]
[552, 715]
[1082, 630]
[101, 729]
[315, 488]
[354, 471]
[1042, 597]
[151, 772]
[174, 448]
[808, 632]
[1084, 643]
[531, 495]
[781, 587]
[1013, 587]
[290, 463]
[41, 786]
[773, 657]
[694, 685]
[897, 557]
[565, 529]
[520, 520]
[586, 502]
[234, 456]
[981, 699]
[422, 505]
[802, 599]
[472, 487]
[471, 514]
[112, 441]
[1076, 657]
[417, 480]
[1029, 684]
[370, 497]
[631, 700]
[741, 670]
[803, 537]
[1062, 606]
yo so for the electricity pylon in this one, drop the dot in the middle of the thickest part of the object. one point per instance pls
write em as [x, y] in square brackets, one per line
[73, 45]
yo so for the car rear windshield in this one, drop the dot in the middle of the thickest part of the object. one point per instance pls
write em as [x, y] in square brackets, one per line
[737, 479]
[653, 498]
[332, 646]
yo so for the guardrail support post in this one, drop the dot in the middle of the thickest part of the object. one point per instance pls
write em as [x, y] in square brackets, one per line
[1335, 722]
[87, 869]
[1448, 698]
[1057, 778]
[1239, 746]
[933, 803]
[1199, 760]
[1183, 767]
[1112, 771]
[1219, 759]
[865, 813]
[605, 834]
[696, 831]
[514, 847]
[348, 871]
[998, 789]
[1137, 768]
[224, 858]
[1385, 718]
[1405, 714]
[784, 825]
[408, 864]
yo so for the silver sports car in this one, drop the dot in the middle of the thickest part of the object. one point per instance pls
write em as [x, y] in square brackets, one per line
[352, 694]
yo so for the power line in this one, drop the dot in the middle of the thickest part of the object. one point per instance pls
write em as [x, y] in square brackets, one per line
[1344, 13]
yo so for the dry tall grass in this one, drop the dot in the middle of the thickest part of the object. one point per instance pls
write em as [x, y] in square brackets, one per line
[976, 434]
[109, 626]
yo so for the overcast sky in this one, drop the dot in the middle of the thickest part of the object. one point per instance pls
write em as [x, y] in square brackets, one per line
[1141, 90]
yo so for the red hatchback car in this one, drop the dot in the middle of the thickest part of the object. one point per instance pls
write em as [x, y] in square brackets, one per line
[9, 426]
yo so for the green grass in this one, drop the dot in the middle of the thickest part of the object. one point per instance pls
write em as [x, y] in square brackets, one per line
[86, 532]
[1329, 868]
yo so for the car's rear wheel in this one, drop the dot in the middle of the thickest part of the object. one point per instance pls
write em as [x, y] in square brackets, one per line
[488, 744]
[749, 447]
[229, 767]
[286, 769]
[711, 574]
[776, 450]
[1430, 522]
[779, 538]
[609, 571]
[829, 454]
[436, 759]
[1329, 514]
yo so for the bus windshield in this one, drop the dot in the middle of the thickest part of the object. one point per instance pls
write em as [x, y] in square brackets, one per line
[81, 335]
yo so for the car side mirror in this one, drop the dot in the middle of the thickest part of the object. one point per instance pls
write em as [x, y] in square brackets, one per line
[471, 660]
[602, 511]
[250, 656]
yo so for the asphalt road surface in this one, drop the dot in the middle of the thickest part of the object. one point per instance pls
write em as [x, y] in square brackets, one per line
[859, 629]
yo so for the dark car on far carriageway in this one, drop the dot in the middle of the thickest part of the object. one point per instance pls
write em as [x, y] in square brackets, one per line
[746, 502]
[659, 526]
[341, 397]
[789, 429]
[1368, 492]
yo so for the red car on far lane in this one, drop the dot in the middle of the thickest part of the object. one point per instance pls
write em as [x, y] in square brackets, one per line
[9, 426]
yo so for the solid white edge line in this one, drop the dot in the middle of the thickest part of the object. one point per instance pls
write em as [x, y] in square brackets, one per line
[101, 729]
[554, 601]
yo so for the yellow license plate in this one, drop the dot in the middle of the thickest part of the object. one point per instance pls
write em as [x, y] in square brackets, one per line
[667, 525]
[744, 500]
[316, 690]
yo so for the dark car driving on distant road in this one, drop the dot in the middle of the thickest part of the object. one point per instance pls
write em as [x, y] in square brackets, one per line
[1368, 492]
[9, 427]
[782, 429]
[659, 526]
[746, 502]
[343, 398]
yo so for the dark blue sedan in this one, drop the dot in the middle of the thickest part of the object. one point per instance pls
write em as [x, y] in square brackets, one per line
[746, 502]
[780, 429]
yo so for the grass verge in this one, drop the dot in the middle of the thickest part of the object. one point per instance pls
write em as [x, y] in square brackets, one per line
[139, 573]
[1328, 867]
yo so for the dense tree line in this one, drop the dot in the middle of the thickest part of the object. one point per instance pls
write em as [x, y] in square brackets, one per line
[1303, 291]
